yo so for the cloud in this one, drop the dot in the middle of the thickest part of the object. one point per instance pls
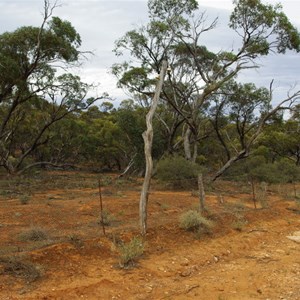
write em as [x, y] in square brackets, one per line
[101, 22]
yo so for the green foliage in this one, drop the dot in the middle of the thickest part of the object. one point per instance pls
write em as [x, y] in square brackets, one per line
[173, 33]
[193, 221]
[289, 171]
[130, 252]
[45, 115]
[136, 77]
[177, 171]
[258, 169]
[33, 94]
[161, 9]
[283, 140]
[266, 22]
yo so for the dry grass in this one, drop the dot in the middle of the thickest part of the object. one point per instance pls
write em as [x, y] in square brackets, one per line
[34, 234]
[20, 268]
[193, 221]
[130, 252]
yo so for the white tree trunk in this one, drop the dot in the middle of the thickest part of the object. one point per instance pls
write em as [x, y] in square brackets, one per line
[187, 144]
[148, 139]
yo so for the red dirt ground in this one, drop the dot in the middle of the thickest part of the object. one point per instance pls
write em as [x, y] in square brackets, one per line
[79, 262]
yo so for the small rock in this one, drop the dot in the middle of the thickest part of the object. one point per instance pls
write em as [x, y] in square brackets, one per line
[294, 238]
[216, 259]
[185, 263]
[185, 273]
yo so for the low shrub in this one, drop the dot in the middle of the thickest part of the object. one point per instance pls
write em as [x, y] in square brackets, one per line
[193, 221]
[34, 234]
[75, 240]
[177, 172]
[108, 218]
[24, 199]
[20, 268]
[130, 252]
[238, 225]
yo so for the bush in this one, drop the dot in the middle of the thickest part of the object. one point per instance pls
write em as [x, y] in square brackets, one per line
[257, 169]
[75, 240]
[34, 234]
[262, 195]
[24, 199]
[130, 252]
[20, 268]
[177, 171]
[239, 224]
[193, 221]
[108, 218]
[289, 171]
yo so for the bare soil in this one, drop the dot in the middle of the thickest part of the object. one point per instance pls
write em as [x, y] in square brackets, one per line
[246, 256]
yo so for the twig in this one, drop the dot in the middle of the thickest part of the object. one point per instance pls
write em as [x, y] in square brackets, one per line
[297, 211]
[255, 230]
[191, 288]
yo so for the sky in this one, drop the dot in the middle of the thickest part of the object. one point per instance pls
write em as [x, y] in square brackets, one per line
[101, 22]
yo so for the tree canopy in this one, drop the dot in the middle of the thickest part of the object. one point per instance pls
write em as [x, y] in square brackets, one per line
[33, 93]
[204, 113]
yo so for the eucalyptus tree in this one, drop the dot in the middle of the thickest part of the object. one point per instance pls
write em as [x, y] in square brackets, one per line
[283, 140]
[195, 73]
[175, 32]
[247, 110]
[33, 94]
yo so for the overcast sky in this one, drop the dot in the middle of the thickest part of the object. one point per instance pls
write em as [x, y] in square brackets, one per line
[101, 22]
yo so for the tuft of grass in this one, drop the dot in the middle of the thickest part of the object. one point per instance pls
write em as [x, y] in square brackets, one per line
[21, 268]
[130, 252]
[195, 193]
[235, 209]
[75, 240]
[193, 221]
[238, 225]
[34, 235]
[108, 218]
[24, 199]
[262, 195]
[106, 180]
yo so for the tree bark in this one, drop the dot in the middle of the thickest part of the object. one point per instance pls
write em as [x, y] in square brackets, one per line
[201, 193]
[148, 140]
[242, 154]
[253, 192]
[187, 144]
